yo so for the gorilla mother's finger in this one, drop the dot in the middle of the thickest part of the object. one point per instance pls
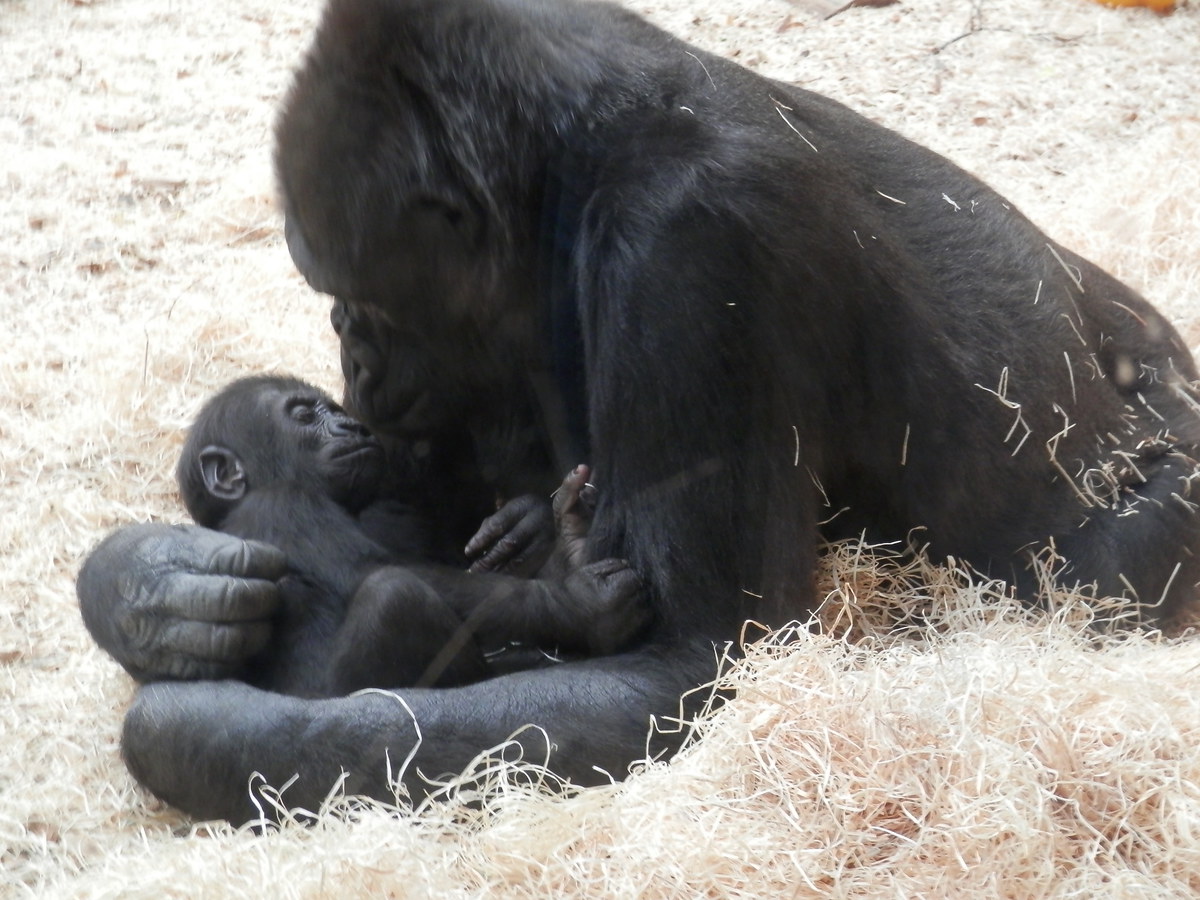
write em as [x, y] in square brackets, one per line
[205, 642]
[221, 554]
[216, 598]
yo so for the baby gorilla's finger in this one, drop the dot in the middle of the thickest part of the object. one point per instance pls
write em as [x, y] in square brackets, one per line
[494, 527]
[568, 493]
[504, 552]
[588, 495]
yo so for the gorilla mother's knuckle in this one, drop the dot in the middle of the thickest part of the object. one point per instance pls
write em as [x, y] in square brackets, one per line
[141, 638]
[161, 557]
[228, 555]
[189, 648]
[238, 642]
[223, 554]
[160, 550]
[173, 667]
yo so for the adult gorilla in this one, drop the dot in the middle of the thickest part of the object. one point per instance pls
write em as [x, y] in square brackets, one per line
[550, 227]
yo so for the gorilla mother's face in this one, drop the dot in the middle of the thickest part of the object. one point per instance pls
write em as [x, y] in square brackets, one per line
[379, 213]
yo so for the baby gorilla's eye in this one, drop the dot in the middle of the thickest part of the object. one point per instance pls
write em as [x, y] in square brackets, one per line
[302, 411]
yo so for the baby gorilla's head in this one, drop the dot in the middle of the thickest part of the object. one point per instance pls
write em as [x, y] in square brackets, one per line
[268, 429]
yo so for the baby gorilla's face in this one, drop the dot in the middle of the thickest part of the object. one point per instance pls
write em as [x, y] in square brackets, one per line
[319, 444]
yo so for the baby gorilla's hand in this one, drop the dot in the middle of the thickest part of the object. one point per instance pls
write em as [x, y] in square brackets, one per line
[516, 540]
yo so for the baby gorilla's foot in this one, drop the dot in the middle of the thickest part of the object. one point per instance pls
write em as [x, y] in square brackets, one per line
[612, 599]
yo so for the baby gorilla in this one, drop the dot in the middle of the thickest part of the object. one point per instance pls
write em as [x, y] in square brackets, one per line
[274, 459]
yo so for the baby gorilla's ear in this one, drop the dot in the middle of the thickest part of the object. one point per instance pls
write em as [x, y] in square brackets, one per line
[223, 472]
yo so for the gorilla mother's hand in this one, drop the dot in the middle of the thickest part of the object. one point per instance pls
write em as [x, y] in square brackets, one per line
[179, 602]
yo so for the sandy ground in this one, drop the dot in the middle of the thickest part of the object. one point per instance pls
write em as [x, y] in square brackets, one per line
[142, 266]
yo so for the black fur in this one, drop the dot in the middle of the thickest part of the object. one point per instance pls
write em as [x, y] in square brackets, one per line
[275, 460]
[773, 312]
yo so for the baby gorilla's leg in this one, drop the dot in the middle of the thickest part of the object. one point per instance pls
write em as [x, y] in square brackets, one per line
[400, 632]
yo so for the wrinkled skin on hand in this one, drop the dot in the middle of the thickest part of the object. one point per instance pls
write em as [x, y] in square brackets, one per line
[180, 601]
[574, 506]
[521, 537]
[516, 540]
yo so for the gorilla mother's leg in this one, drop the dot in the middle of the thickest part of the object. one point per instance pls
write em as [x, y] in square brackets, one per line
[1144, 546]
[197, 745]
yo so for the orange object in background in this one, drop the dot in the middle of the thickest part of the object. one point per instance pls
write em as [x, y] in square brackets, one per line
[1162, 7]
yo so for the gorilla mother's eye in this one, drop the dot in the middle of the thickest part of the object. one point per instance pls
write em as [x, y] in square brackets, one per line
[302, 411]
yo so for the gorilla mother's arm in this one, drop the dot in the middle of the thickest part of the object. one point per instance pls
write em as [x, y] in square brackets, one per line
[179, 601]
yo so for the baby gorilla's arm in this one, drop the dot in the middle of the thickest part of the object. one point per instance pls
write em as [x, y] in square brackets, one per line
[593, 607]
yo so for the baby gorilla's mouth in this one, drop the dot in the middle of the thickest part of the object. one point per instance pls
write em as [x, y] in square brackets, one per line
[358, 449]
